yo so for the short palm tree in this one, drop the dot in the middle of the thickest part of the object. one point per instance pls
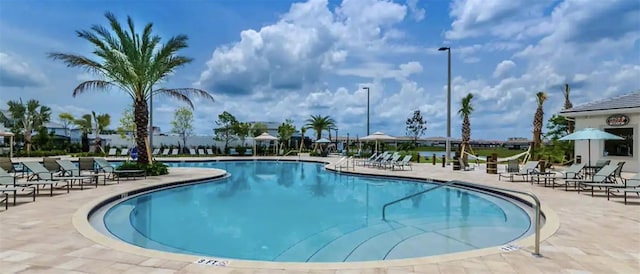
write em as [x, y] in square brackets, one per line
[538, 119]
[26, 118]
[465, 110]
[134, 63]
[320, 123]
[568, 105]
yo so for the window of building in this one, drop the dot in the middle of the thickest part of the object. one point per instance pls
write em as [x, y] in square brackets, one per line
[619, 147]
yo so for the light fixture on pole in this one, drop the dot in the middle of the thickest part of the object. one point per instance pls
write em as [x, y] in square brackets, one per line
[367, 88]
[448, 144]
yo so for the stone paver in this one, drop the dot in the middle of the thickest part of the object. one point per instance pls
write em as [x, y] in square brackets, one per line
[594, 236]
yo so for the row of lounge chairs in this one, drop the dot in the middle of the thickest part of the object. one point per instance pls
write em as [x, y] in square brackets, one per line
[29, 176]
[603, 176]
[113, 152]
[387, 160]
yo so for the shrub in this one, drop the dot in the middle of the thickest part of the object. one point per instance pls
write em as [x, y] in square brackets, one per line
[154, 169]
[40, 153]
[88, 154]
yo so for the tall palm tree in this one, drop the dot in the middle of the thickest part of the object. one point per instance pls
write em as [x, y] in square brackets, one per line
[25, 118]
[465, 110]
[134, 63]
[568, 105]
[538, 119]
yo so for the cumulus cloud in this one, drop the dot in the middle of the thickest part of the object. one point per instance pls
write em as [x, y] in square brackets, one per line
[503, 68]
[306, 42]
[416, 12]
[14, 72]
[500, 18]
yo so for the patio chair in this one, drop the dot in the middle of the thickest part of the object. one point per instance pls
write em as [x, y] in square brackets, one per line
[124, 152]
[377, 159]
[390, 162]
[174, 152]
[192, 152]
[248, 152]
[233, 152]
[601, 177]
[8, 184]
[50, 164]
[7, 165]
[363, 162]
[573, 172]
[382, 160]
[513, 165]
[165, 152]
[68, 168]
[405, 162]
[116, 174]
[632, 185]
[618, 173]
[86, 164]
[155, 152]
[41, 176]
[201, 152]
[528, 169]
[209, 151]
[112, 152]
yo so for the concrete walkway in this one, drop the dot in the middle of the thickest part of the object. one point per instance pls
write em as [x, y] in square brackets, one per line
[595, 235]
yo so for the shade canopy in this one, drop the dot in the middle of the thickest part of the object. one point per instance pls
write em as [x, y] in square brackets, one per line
[591, 134]
[323, 141]
[377, 136]
[6, 134]
[10, 135]
[265, 137]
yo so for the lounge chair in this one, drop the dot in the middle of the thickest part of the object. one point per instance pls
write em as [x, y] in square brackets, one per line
[632, 185]
[174, 152]
[112, 152]
[165, 152]
[116, 174]
[248, 152]
[618, 173]
[573, 172]
[209, 151]
[528, 169]
[405, 162]
[381, 162]
[124, 152]
[377, 159]
[155, 152]
[201, 152]
[7, 165]
[363, 162]
[5, 199]
[41, 176]
[513, 165]
[8, 184]
[233, 152]
[50, 164]
[602, 177]
[68, 168]
[192, 152]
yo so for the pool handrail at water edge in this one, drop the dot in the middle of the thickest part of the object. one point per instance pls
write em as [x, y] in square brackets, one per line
[478, 186]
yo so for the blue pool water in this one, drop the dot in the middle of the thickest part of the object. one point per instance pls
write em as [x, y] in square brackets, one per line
[298, 212]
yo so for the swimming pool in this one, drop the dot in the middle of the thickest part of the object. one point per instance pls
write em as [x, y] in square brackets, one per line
[298, 212]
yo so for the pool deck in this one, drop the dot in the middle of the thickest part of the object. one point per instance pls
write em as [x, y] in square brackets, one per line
[594, 235]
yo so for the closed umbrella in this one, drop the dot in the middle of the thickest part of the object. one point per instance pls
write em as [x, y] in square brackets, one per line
[591, 134]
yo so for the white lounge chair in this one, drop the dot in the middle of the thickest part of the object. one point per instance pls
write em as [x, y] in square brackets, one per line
[632, 185]
[201, 152]
[209, 151]
[112, 152]
[405, 162]
[192, 152]
[174, 152]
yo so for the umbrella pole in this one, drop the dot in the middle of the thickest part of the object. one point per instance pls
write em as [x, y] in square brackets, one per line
[589, 152]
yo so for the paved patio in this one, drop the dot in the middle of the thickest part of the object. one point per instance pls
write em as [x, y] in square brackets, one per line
[594, 235]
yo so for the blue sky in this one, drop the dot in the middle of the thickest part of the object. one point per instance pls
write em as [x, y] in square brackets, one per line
[269, 60]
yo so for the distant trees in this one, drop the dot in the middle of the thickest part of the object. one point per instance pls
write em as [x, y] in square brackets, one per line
[182, 123]
[25, 118]
[224, 132]
[416, 126]
[286, 131]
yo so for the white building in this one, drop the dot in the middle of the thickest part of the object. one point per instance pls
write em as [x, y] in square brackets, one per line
[620, 116]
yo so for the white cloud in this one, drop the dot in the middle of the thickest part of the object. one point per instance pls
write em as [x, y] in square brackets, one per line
[302, 45]
[504, 67]
[416, 12]
[14, 72]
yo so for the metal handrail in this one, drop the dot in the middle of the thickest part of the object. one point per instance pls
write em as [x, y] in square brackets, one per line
[533, 196]
[384, 207]
[291, 151]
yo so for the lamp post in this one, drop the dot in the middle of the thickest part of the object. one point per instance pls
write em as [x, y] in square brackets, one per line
[448, 144]
[367, 88]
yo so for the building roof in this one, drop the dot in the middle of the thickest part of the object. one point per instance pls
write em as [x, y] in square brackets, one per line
[630, 100]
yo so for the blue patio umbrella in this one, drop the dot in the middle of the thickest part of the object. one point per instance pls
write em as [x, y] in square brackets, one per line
[590, 134]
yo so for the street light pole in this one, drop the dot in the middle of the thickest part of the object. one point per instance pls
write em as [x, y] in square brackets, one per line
[448, 144]
[367, 88]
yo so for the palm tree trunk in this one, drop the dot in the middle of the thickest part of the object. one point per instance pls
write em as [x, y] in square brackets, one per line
[141, 117]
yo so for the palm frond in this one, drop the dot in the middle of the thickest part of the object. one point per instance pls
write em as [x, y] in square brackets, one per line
[91, 85]
[183, 94]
